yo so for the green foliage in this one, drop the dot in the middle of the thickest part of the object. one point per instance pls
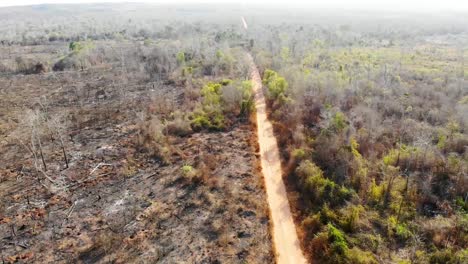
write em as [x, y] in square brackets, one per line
[210, 114]
[351, 218]
[268, 76]
[186, 169]
[191, 173]
[147, 42]
[276, 84]
[461, 203]
[338, 122]
[369, 241]
[180, 57]
[464, 100]
[298, 154]
[77, 46]
[320, 188]
[247, 102]
[327, 215]
[376, 192]
[391, 158]
[312, 224]
[399, 230]
[212, 119]
[237, 98]
[357, 256]
[448, 256]
[187, 71]
[219, 54]
[285, 54]
[360, 176]
[453, 127]
[331, 246]
[337, 240]
[441, 143]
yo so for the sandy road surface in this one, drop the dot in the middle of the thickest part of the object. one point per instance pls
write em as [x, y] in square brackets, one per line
[285, 239]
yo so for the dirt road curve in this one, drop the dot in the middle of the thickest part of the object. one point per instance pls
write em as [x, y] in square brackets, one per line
[285, 239]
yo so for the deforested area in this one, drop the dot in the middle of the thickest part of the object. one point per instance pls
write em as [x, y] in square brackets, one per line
[126, 137]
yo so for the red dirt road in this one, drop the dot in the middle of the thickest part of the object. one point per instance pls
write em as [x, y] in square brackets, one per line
[286, 243]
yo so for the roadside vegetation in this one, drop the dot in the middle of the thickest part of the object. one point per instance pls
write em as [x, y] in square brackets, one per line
[373, 132]
[126, 134]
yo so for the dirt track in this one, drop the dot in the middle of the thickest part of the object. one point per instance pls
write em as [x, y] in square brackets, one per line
[285, 238]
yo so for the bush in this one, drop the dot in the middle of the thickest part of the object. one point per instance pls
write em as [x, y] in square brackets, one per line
[330, 246]
[351, 217]
[312, 224]
[357, 256]
[298, 154]
[150, 138]
[276, 85]
[213, 119]
[190, 173]
[179, 126]
[441, 257]
[322, 189]
[376, 193]
[399, 230]
[337, 240]
[209, 115]
[237, 98]
[338, 122]
[26, 66]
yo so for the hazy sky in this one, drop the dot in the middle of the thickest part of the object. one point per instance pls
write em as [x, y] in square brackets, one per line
[414, 5]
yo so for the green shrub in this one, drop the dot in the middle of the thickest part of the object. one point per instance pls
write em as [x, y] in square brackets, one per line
[312, 224]
[368, 241]
[338, 122]
[276, 85]
[461, 203]
[212, 120]
[320, 188]
[76, 46]
[357, 256]
[187, 169]
[337, 240]
[190, 173]
[376, 193]
[268, 76]
[447, 256]
[180, 58]
[327, 215]
[399, 230]
[351, 218]
[298, 154]
[209, 115]
[247, 102]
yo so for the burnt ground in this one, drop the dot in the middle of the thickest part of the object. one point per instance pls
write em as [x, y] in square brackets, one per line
[115, 203]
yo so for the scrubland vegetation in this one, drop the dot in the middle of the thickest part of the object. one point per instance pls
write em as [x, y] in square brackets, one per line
[372, 122]
[126, 134]
[126, 138]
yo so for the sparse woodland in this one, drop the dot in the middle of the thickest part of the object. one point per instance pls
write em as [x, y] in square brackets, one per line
[372, 122]
[126, 134]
